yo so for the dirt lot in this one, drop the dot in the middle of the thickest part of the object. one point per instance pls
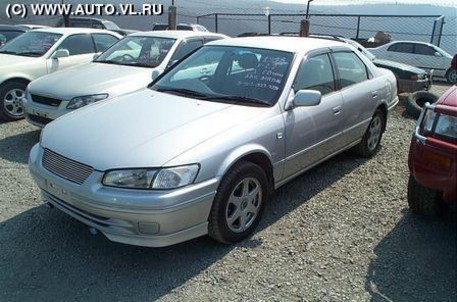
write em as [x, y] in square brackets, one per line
[340, 232]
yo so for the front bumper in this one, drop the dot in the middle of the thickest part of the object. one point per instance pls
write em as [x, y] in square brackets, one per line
[137, 217]
[40, 115]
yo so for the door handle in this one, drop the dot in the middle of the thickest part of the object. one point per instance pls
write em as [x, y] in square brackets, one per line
[336, 110]
[374, 94]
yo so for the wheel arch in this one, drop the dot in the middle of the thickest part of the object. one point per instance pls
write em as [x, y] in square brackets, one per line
[16, 79]
[253, 153]
[383, 108]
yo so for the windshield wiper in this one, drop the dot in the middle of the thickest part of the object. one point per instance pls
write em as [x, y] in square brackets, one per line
[30, 54]
[186, 92]
[107, 62]
[8, 52]
[242, 99]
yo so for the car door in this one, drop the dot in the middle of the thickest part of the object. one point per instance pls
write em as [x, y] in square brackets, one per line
[427, 57]
[81, 49]
[358, 93]
[313, 133]
[401, 52]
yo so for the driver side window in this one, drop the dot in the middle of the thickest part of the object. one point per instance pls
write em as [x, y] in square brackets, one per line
[78, 44]
[315, 74]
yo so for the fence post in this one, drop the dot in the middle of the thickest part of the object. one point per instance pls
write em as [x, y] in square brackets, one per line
[172, 17]
[269, 24]
[358, 28]
[441, 32]
[304, 28]
[215, 23]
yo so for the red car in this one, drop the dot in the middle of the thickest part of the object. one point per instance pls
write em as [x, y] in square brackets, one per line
[433, 156]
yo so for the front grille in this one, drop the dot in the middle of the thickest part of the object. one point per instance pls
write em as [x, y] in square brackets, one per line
[39, 119]
[45, 100]
[64, 167]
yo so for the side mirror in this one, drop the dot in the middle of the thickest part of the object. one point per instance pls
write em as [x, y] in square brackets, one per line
[307, 98]
[155, 74]
[437, 54]
[61, 53]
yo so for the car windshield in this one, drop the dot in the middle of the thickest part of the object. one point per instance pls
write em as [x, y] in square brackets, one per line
[31, 44]
[239, 75]
[137, 51]
[6, 35]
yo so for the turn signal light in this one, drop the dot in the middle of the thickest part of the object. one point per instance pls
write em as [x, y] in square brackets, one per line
[437, 159]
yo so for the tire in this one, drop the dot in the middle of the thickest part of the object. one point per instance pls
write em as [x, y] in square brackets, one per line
[451, 76]
[371, 140]
[422, 200]
[417, 100]
[11, 94]
[236, 210]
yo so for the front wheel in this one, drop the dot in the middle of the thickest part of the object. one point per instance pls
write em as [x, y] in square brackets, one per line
[372, 137]
[11, 94]
[239, 203]
[451, 76]
[422, 200]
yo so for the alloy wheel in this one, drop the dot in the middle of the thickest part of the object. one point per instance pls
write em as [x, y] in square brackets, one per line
[243, 205]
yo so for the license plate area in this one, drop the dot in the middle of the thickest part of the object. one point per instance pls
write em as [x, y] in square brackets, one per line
[57, 190]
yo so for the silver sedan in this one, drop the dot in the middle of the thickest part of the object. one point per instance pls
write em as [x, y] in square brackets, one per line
[201, 150]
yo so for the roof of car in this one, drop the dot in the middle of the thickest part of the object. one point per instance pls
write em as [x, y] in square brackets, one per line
[176, 34]
[72, 30]
[283, 43]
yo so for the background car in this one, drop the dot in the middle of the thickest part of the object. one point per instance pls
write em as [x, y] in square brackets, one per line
[432, 157]
[125, 32]
[8, 32]
[409, 78]
[87, 22]
[42, 51]
[129, 65]
[201, 151]
[420, 54]
[180, 26]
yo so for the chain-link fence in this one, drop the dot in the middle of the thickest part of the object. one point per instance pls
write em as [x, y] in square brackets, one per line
[426, 28]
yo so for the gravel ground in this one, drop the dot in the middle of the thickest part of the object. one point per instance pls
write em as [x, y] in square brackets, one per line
[340, 232]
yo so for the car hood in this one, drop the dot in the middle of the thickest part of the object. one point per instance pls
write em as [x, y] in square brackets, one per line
[92, 78]
[142, 129]
[391, 64]
[9, 61]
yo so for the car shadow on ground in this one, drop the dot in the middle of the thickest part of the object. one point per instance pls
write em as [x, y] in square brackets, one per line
[49, 256]
[16, 148]
[297, 192]
[416, 261]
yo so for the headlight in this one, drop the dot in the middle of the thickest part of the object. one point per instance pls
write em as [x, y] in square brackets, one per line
[166, 178]
[82, 101]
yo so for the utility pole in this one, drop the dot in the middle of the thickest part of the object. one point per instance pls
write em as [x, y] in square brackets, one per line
[66, 18]
[172, 12]
[304, 24]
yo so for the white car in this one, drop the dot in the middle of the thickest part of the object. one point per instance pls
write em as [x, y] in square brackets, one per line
[420, 54]
[129, 65]
[42, 51]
